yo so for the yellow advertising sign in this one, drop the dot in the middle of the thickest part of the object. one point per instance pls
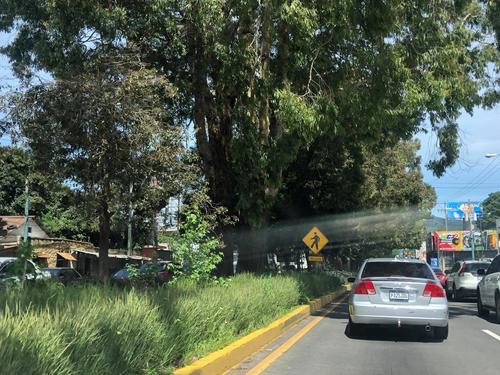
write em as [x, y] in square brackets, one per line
[315, 240]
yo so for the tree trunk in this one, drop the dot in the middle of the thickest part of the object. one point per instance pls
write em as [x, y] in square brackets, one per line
[252, 246]
[104, 231]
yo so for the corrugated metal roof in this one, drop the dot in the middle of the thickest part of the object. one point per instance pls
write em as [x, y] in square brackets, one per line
[117, 256]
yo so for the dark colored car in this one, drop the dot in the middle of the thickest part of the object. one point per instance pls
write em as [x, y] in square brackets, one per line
[121, 278]
[63, 274]
[440, 275]
[158, 270]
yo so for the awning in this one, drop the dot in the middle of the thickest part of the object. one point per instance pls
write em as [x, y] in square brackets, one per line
[42, 255]
[66, 256]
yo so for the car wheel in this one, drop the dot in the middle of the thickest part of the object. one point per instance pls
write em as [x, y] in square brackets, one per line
[353, 329]
[497, 307]
[441, 333]
[481, 311]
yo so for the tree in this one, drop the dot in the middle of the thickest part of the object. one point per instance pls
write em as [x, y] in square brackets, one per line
[264, 80]
[491, 208]
[102, 129]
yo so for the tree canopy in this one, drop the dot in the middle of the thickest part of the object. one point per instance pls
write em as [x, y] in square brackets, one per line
[266, 81]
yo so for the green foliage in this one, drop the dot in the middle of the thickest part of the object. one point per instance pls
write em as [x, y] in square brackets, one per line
[98, 330]
[491, 208]
[141, 278]
[197, 248]
[196, 252]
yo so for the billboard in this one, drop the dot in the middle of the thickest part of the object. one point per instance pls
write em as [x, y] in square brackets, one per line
[462, 210]
[457, 240]
[449, 241]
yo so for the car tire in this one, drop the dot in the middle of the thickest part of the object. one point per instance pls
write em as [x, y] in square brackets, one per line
[441, 333]
[353, 329]
[481, 311]
[497, 307]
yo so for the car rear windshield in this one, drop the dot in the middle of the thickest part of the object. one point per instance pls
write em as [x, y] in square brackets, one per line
[397, 269]
[473, 267]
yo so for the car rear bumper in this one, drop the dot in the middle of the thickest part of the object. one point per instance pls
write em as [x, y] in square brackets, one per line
[467, 292]
[435, 315]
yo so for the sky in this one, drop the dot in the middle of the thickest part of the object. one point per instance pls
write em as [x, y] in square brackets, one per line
[472, 178]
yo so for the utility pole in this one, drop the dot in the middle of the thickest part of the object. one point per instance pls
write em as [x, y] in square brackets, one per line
[26, 210]
[470, 211]
[130, 216]
[26, 228]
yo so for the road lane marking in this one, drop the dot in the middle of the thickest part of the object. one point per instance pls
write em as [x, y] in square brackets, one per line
[494, 335]
[266, 362]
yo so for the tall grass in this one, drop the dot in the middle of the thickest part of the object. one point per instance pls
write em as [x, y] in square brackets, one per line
[91, 329]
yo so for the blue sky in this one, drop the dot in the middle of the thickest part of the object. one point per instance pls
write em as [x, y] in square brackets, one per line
[473, 177]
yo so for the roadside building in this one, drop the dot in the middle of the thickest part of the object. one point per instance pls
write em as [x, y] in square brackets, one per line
[449, 241]
[12, 228]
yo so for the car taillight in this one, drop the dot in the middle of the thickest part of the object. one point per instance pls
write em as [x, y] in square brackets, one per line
[364, 287]
[433, 290]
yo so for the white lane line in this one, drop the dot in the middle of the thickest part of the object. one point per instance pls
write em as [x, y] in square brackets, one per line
[494, 335]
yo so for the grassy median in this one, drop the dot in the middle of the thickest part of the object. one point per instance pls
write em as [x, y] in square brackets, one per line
[89, 329]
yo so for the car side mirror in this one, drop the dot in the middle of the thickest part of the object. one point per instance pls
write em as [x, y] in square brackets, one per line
[351, 279]
[446, 272]
[481, 272]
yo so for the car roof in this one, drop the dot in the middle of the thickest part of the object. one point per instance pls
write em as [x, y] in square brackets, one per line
[476, 261]
[57, 268]
[7, 259]
[406, 260]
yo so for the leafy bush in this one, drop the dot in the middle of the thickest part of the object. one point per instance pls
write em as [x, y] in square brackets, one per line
[90, 329]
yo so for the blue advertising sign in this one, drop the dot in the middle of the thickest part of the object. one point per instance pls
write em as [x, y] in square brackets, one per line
[434, 262]
[461, 210]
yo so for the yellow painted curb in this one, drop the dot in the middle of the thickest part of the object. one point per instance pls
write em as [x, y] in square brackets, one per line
[222, 360]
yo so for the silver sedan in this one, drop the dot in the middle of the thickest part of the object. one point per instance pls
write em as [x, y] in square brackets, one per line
[398, 292]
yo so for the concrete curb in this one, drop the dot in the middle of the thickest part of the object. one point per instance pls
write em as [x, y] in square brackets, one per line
[222, 360]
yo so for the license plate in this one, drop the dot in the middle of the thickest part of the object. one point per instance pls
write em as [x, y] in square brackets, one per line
[398, 296]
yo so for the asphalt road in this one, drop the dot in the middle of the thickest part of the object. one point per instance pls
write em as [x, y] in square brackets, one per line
[326, 349]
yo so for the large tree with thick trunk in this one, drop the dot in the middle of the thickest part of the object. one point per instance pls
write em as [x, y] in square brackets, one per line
[262, 80]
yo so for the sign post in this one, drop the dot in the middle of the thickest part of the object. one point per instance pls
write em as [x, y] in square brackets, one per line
[315, 241]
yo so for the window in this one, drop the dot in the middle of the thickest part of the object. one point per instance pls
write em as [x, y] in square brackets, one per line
[30, 268]
[9, 269]
[395, 269]
[473, 267]
[494, 266]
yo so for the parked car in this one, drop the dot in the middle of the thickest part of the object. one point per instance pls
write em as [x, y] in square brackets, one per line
[398, 292]
[488, 289]
[121, 278]
[462, 279]
[9, 273]
[440, 275]
[159, 271]
[63, 274]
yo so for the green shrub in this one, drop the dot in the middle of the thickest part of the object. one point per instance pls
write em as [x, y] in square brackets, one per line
[92, 329]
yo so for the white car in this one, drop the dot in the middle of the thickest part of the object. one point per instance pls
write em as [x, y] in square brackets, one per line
[8, 271]
[397, 292]
[488, 289]
[462, 279]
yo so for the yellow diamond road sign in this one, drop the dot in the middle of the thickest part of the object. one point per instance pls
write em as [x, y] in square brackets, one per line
[315, 240]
